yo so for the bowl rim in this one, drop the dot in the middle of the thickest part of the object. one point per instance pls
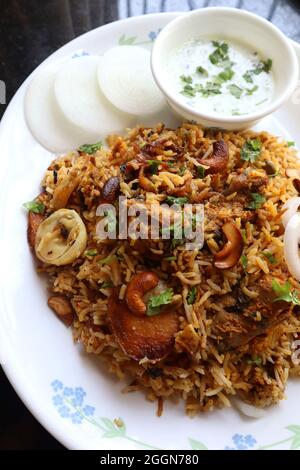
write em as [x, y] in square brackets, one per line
[271, 107]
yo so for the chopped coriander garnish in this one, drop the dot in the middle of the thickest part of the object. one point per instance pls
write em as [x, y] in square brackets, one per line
[248, 77]
[210, 88]
[189, 91]
[170, 258]
[244, 262]
[157, 301]
[90, 148]
[153, 166]
[186, 79]
[264, 66]
[235, 90]
[201, 171]
[91, 253]
[191, 297]
[220, 54]
[261, 102]
[35, 207]
[202, 71]
[250, 91]
[182, 170]
[270, 257]
[251, 150]
[106, 285]
[255, 360]
[257, 201]
[226, 75]
[176, 200]
[107, 260]
[244, 236]
[285, 292]
[291, 143]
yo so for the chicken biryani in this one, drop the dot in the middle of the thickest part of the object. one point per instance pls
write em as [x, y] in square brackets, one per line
[203, 325]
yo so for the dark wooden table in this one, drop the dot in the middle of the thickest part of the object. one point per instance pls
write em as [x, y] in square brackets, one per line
[30, 30]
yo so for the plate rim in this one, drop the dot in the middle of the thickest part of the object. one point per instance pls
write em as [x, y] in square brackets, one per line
[44, 416]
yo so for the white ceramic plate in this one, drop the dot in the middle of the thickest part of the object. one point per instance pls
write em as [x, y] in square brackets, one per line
[66, 390]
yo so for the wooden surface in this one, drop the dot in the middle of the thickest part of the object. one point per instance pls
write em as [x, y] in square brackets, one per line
[30, 30]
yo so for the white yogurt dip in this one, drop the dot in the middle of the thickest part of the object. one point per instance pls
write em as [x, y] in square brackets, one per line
[221, 77]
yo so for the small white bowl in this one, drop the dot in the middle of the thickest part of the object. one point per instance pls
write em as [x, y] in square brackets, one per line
[228, 24]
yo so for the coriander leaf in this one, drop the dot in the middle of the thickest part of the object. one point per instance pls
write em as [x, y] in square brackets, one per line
[226, 75]
[248, 77]
[270, 257]
[244, 236]
[191, 297]
[210, 88]
[156, 301]
[106, 285]
[202, 71]
[244, 262]
[266, 65]
[201, 171]
[176, 200]
[250, 91]
[189, 91]
[251, 150]
[186, 79]
[235, 90]
[257, 201]
[256, 360]
[90, 148]
[91, 253]
[153, 166]
[284, 292]
[220, 54]
[170, 258]
[35, 207]
[181, 170]
[107, 260]
[291, 143]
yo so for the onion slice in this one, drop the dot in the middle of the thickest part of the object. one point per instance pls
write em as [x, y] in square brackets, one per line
[126, 80]
[291, 207]
[44, 119]
[83, 104]
[291, 246]
[248, 410]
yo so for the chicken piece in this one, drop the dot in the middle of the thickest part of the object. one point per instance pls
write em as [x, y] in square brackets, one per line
[34, 221]
[218, 160]
[243, 182]
[188, 340]
[234, 330]
[61, 305]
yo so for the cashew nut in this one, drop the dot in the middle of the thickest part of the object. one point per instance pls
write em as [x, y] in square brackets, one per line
[61, 238]
[139, 285]
[217, 162]
[232, 251]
